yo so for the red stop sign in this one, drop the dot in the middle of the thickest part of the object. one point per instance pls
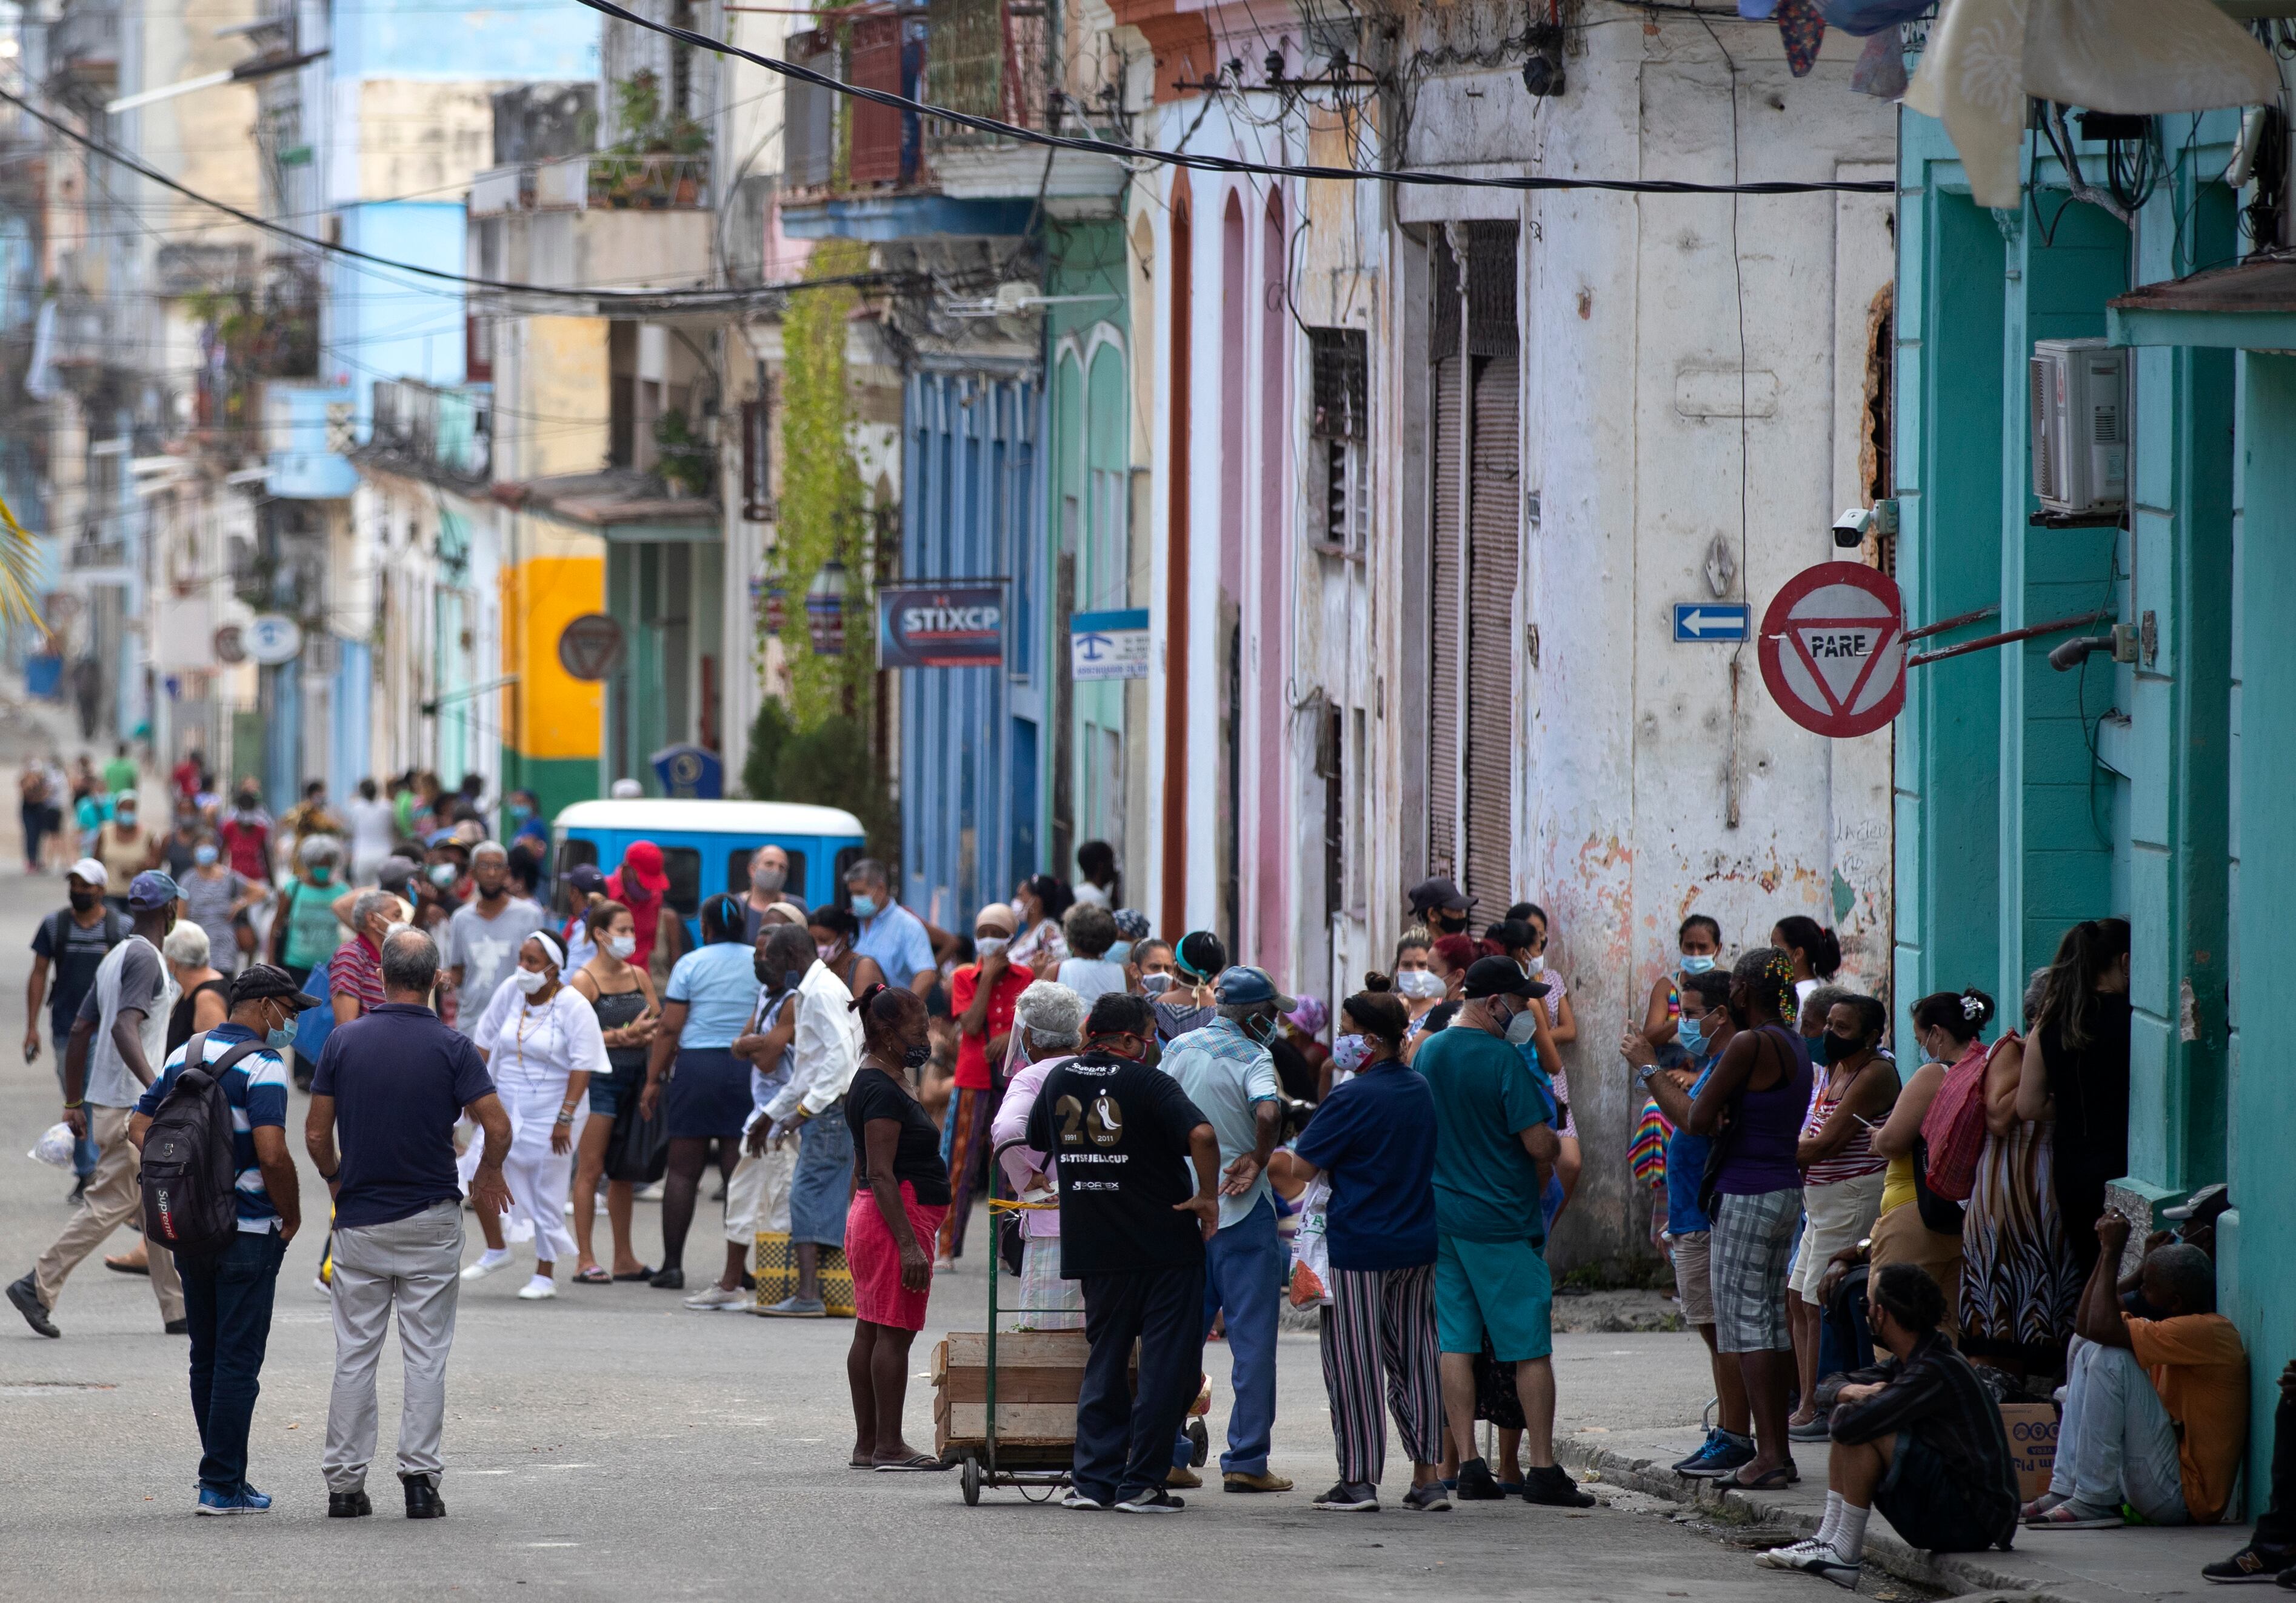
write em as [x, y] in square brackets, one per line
[1833, 648]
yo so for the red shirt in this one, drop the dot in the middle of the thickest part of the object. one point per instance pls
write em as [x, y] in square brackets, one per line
[973, 1050]
[246, 845]
[646, 917]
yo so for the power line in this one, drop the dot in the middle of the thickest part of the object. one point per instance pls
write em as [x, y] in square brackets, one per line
[639, 299]
[1229, 164]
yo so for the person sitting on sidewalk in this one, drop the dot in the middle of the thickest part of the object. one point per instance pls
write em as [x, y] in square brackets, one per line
[1917, 1437]
[2271, 1553]
[2155, 1410]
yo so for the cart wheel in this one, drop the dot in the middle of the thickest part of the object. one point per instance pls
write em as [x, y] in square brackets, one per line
[971, 1477]
[1201, 1440]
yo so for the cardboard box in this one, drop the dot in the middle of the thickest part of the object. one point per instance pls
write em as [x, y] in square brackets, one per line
[2031, 1428]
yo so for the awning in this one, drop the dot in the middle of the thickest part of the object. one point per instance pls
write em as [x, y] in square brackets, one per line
[2252, 306]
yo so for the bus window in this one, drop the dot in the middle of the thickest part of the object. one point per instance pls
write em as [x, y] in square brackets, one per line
[683, 865]
[572, 853]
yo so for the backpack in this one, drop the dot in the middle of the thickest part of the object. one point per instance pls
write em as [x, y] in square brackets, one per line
[1953, 1127]
[115, 928]
[191, 1180]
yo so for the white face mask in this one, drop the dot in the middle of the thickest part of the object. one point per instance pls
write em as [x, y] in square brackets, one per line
[529, 980]
[621, 946]
[989, 945]
[1155, 985]
[1535, 966]
[1419, 984]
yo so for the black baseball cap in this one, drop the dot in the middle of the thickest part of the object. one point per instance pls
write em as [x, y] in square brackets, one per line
[1428, 895]
[267, 982]
[1499, 977]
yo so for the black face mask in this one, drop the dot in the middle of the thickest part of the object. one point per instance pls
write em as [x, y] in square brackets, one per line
[916, 1058]
[765, 975]
[83, 900]
[1740, 1017]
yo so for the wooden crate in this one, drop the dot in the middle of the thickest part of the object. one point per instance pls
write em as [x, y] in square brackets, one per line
[1038, 1375]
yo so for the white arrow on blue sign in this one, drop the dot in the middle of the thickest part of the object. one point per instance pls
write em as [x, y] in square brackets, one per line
[1711, 620]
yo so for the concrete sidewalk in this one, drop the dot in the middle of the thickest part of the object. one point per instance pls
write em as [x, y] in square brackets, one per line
[2052, 1567]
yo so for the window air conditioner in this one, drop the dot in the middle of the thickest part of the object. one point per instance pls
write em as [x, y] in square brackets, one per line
[2080, 425]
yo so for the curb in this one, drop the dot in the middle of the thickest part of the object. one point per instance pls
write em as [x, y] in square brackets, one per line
[1961, 1575]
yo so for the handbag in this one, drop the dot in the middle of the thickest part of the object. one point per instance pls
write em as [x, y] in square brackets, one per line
[1938, 1213]
[638, 1149]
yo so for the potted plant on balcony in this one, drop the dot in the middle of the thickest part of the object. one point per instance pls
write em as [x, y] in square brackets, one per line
[683, 458]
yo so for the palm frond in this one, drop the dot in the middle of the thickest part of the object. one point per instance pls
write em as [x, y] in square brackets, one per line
[20, 570]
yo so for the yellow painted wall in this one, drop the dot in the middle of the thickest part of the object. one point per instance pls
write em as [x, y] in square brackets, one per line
[555, 414]
[557, 574]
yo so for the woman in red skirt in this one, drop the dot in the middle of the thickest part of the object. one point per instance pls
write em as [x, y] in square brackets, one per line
[900, 1193]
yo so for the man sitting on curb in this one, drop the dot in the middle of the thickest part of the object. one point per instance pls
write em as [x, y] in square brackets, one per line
[2271, 1553]
[1918, 1436]
[2155, 1410]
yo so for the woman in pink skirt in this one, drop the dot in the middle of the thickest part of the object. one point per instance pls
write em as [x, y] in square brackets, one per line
[900, 1192]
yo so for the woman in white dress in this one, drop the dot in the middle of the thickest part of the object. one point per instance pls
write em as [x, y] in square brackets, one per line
[542, 1043]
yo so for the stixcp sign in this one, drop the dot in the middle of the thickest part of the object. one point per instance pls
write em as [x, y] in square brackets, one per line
[952, 626]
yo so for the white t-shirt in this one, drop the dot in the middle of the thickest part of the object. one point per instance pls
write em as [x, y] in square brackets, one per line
[1091, 894]
[1090, 977]
[531, 1050]
[485, 949]
[374, 829]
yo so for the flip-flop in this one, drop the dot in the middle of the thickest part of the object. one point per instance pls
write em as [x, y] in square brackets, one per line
[642, 1273]
[121, 1266]
[2065, 1517]
[917, 1461]
[1770, 1480]
[593, 1276]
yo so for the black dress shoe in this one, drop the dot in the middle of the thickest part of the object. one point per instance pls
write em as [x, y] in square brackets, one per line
[422, 1498]
[26, 1298]
[668, 1280]
[177, 1327]
[353, 1505]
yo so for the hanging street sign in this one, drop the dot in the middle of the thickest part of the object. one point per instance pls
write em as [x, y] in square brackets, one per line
[270, 639]
[1108, 645]
[1833, 648]
[590, 647]
[1724, 621]
[957, 625]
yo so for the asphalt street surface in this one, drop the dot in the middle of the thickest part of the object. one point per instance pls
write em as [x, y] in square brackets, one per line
[613, 1444]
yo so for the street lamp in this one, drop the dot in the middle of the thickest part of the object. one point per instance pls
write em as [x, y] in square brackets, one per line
[825, 609]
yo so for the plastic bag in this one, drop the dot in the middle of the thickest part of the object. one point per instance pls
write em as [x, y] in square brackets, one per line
[54, 1147]
[1311, 1258]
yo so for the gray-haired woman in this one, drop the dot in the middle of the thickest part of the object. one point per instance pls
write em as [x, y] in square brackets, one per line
[1051, 1020]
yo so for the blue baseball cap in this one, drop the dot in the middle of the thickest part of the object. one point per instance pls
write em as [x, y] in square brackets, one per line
[1244, 987]
[150, 890]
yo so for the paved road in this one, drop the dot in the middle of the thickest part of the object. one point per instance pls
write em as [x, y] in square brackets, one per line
[611, 1445]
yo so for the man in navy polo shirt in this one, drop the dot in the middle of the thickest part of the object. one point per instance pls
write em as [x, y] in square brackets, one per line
[227, 1298]
[395, 1080]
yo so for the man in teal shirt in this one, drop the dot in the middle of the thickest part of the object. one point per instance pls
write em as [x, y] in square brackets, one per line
[1227, 1072]
[1493, 1146]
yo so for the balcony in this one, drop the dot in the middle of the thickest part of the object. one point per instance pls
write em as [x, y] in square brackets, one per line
[901, 176]
[308, 429]
[84, 46]
[637, 221]
[443, 433]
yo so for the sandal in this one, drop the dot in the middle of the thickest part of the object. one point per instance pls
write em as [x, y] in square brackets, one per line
[124, 1267]
[2067, 1516]
[1770, 1480]
[593, 1276]
[642, 1272]
[921, 1460]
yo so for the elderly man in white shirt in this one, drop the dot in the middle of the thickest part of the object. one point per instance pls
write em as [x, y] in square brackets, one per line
[757, 1192]
[826, 1049]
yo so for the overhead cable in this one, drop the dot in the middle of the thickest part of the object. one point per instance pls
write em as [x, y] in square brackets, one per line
[1230, 164]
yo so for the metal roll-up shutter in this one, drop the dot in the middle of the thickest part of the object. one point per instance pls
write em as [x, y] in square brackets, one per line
[1495, 498]
[1447, 545]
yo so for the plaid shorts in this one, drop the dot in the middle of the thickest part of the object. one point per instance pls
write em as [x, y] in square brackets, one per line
[1754, 1244]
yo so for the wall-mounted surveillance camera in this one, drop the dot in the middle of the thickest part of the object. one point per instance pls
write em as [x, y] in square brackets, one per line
[1849, 527]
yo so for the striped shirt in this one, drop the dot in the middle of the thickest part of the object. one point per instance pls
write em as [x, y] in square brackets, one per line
[356, 970]
[256, 1087]
[1857, 1157]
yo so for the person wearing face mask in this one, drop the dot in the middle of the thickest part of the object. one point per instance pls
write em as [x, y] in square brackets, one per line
[833, 930]
[1050, 1018]
[1155, 967]
[707, 1006]
[1494, 1150]
[126, 848]
[216, 896]
[1697, 946]
[640, 885]
[542, 1046]
[246, 836]
[1415, 979]
[1226, 1071]
[769, 868]
[757, 1195]
[582, 888]
[981, 994]
[1039, 903]
[890, 934]
[70, 945]
[900, 1192]
[482, 937]
[823, 1049]
[1438, 906]
[622, 995]
[1374, 1138]
[306, 931]
[522, 818]
[228, 1295]
[182, 839]
[1840, 1172]
[355, 972]
[1186, 1004]
[1090, 932]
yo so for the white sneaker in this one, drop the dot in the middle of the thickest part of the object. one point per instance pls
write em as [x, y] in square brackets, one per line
[1828, 1563]
[536, 1289]
[1789, 1557]
[713, 1296]
[1078, 1499]
[321, 1287]
[487, 1262]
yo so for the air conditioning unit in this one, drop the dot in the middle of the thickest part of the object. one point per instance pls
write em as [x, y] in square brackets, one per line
[2080, 425]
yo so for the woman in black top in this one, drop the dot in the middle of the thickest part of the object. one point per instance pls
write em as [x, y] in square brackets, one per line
[900, 1192]
[2077, 1073]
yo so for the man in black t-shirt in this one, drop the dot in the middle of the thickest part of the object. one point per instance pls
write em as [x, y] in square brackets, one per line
[71, 942]
[1122, 1135]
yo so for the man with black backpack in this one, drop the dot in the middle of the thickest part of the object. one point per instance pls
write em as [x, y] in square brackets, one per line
[227, 1197]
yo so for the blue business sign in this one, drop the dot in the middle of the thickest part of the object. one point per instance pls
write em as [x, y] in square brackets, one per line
[1724, 621]
[958, 625]
[1108, 645]
[689, 771]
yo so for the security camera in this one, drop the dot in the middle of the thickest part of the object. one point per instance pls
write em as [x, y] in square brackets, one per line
[1850, 525]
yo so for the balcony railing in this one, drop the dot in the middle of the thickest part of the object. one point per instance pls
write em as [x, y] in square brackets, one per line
[599, 181]
[448, 428]
[986, 58]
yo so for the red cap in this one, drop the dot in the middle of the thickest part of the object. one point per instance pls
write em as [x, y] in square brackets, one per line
[643, 861]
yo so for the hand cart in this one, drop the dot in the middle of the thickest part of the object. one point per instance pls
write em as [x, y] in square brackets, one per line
[1025, 1437]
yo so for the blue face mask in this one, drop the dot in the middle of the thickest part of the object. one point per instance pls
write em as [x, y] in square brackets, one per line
[865, 907]
[1261, 1029]
[1689, 1034]
[1699, 964]
[203, 854]
[1121, 952]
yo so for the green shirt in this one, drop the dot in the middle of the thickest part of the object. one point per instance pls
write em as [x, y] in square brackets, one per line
[312, 930]
[1485, 1186]
[119, 774]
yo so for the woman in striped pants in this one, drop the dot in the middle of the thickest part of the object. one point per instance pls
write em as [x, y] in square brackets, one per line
[1372, 1140]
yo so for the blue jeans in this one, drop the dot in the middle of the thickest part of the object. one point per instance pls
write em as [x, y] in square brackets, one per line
[84, 1149]
[227, 1299]
[1243, 1274]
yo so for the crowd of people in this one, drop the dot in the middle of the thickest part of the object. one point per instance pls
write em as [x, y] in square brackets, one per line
[1877, 1255]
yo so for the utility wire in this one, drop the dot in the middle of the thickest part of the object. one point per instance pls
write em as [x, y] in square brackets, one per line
[645, 299]
[1226, 164]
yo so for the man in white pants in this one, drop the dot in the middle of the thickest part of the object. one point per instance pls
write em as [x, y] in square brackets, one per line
[393, 1081]
[758, 1193]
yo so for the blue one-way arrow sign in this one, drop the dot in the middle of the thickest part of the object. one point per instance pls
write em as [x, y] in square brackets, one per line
[1726, 621]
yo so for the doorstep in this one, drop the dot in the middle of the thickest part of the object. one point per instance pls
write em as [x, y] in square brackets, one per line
[2049, 1566]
